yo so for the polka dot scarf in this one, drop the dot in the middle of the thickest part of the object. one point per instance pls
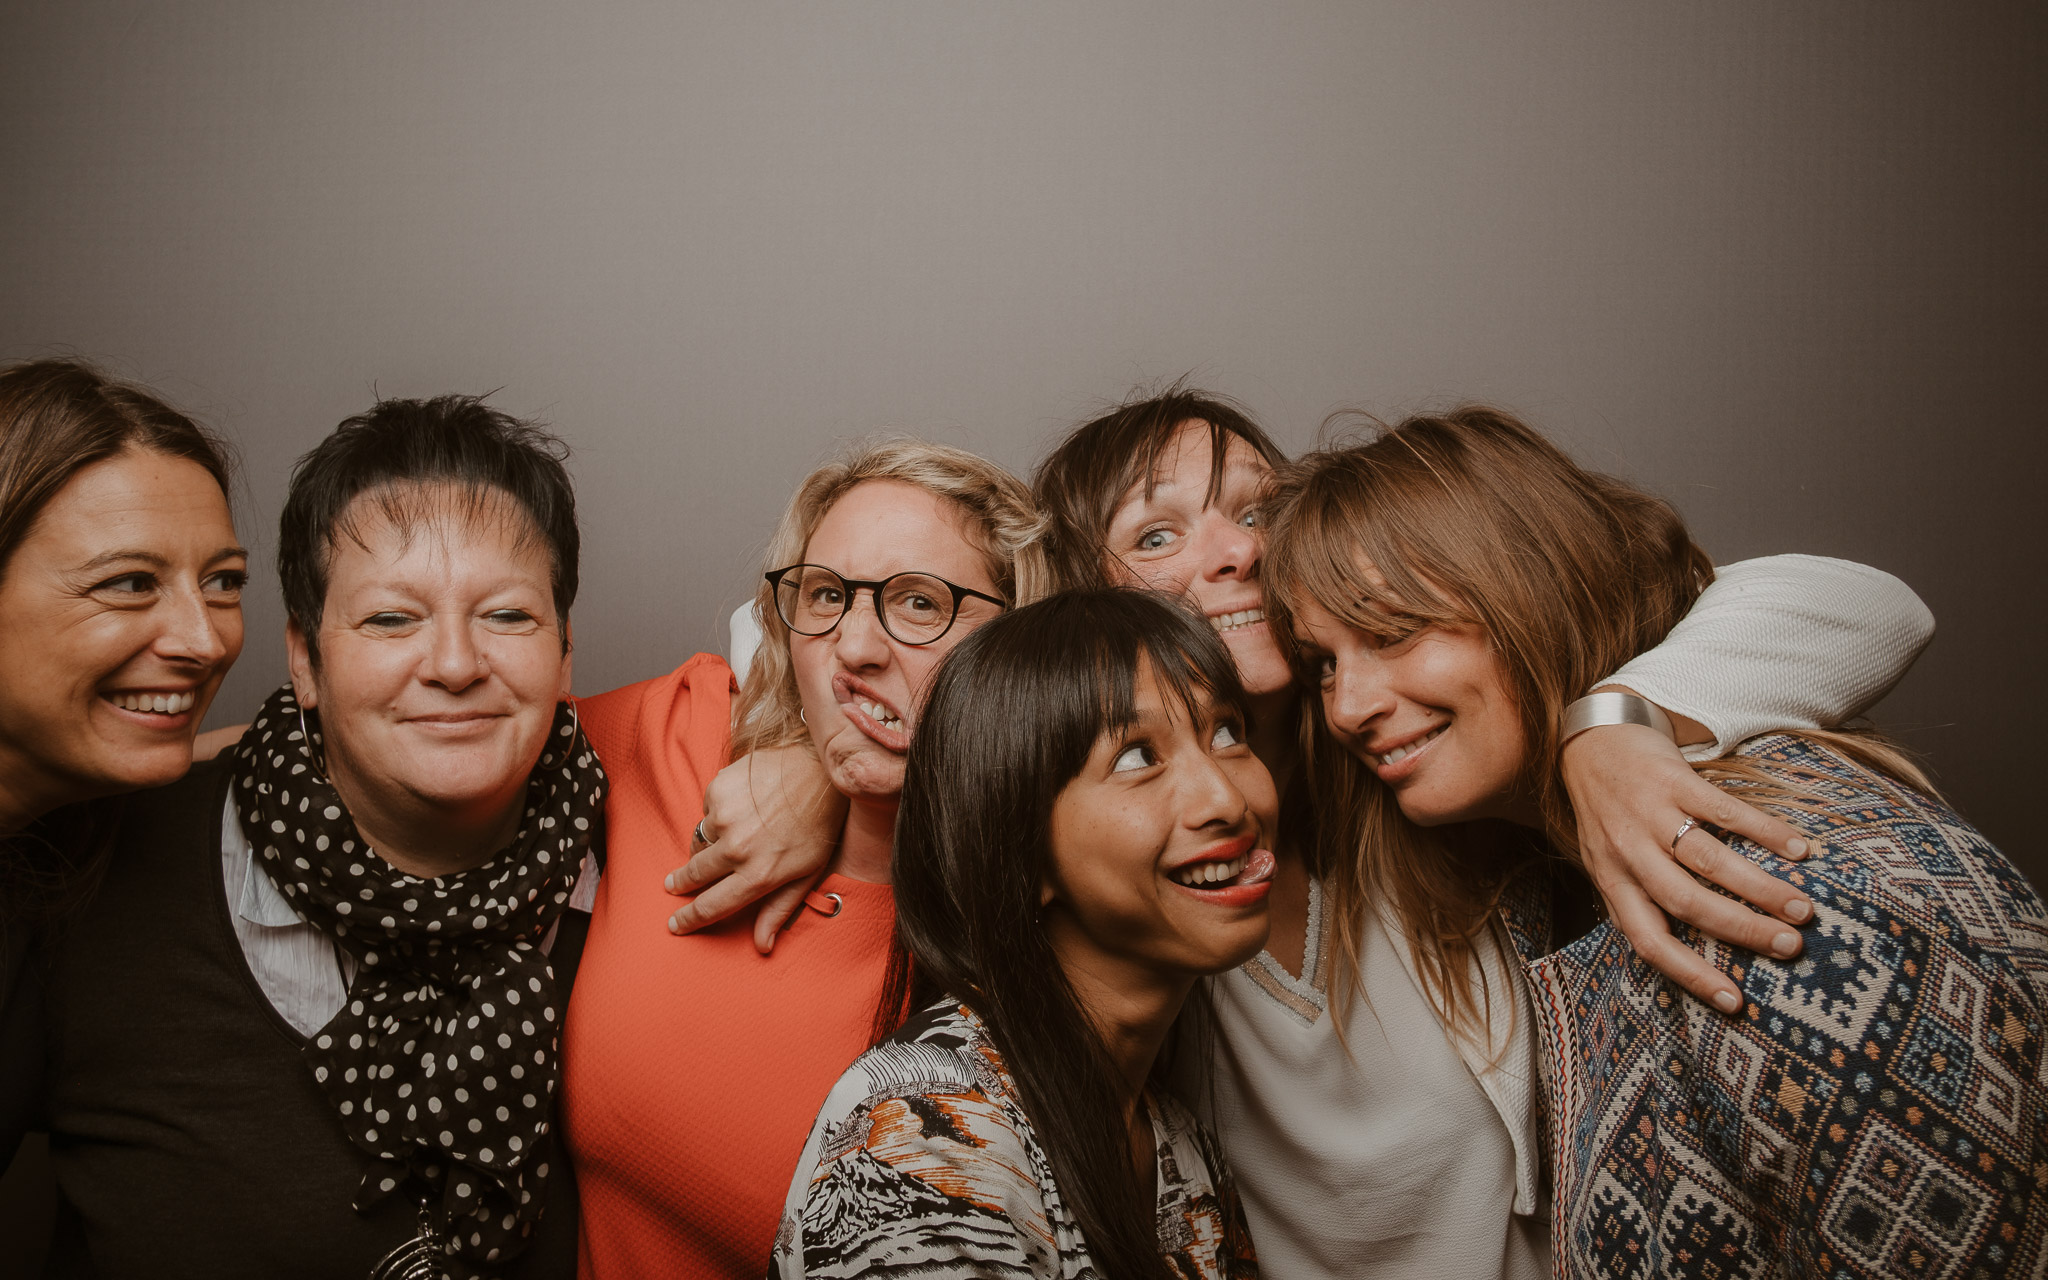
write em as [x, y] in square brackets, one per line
[443, 1062]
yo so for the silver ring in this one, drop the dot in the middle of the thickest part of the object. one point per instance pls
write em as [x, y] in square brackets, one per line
[697, 832]
[1689, 825]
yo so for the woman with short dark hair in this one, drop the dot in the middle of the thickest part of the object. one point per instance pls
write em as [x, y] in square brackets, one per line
[1081, 840]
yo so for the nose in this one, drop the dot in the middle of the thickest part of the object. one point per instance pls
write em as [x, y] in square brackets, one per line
[454, 661]
[1234, 550]
[192, 630]
[1211, 798]
[859, 640]
[1356, 696]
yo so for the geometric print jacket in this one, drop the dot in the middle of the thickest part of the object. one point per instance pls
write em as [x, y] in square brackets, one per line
[1878, 1107]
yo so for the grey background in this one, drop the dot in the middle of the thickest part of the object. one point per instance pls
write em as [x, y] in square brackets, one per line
[1782, 263]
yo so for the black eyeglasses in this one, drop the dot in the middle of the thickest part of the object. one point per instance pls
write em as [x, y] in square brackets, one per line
[915, 608]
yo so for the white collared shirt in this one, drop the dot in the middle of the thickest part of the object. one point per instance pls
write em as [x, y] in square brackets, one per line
[304, 974]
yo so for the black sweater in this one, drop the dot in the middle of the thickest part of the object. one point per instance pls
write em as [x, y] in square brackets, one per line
[189, 1137]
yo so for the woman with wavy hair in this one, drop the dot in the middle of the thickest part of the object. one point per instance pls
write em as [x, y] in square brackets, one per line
[694, 1065]
[1874, 1108]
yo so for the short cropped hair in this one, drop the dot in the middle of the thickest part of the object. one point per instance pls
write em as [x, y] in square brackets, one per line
[399, 446]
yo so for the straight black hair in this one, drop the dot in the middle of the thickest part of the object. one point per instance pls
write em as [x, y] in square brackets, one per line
[1084, 479]
[1012, 717]
[400, 445]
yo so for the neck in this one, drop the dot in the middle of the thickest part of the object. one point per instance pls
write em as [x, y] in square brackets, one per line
[868, 841]
[1130, 1006]
[27, 792]
[429, 840]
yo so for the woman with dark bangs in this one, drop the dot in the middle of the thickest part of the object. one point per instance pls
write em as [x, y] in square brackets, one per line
[1083, 835]
[1876, 1109]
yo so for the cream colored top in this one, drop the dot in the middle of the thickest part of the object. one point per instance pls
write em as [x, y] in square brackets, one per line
[1408, 1155]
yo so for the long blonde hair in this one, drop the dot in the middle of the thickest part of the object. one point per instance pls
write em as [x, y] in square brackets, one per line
[1470, 517]
[998, 518]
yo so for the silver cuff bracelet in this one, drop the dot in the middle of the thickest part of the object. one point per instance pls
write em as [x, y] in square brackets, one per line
[1609, 707]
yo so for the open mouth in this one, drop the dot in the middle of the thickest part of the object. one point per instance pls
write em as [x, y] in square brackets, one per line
[881, 713]
[871, 713]
[156, 704]
[1401, 753]
[1242, 877]
[1225, 623]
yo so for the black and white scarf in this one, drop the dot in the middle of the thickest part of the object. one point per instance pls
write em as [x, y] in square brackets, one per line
[444, 1061]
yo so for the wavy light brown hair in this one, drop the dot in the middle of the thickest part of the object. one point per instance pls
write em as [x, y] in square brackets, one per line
[1472, 518]
[995, 512]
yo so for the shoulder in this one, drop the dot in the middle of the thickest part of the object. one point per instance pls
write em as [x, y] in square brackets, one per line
[919, 1149]
[1892, 858]
[689, 710]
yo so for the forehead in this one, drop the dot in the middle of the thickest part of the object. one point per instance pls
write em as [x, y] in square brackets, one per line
[1184, 468]
[435, 530]
[883, 527]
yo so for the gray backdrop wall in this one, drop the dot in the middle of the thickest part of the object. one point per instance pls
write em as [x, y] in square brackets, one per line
[1784, 264]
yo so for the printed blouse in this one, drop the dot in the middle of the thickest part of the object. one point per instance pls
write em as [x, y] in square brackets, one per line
[922, 1162]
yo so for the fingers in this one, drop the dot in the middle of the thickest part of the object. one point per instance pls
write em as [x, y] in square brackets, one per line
[707, 863]
[1644, 926]
[777, 909]
[1711, 804]
[1686, 899]
[714, 904]
[1715, 862]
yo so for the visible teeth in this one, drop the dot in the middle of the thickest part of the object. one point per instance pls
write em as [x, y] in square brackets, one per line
[1211, 872]
[1402, 753]
[157, 703]
[880, 714]
[1242, 618]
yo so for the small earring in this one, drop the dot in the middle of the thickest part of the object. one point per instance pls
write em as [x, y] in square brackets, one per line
[803, 719]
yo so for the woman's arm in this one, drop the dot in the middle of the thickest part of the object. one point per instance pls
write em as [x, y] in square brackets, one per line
[773, 822]
[1783, 642]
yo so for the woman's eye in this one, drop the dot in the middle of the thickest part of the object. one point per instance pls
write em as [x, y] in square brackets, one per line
[1139, 756]
[1326, 669]
[825, 598]
[128, 584]
[1249, 519]
[227, 582]
[1226, 736]
[1154, 539]
[510, 617]
[386, 621]
[917, 604]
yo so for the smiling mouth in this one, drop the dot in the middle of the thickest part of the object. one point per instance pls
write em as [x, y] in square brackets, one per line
[1402, 753]
[1203, 874]
[160, 704]
[1228, 622]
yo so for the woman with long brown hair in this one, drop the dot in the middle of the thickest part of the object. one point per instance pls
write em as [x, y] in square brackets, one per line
[1875, 1108]
[120, 613]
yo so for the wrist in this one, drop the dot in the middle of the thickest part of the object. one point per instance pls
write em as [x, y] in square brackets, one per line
[1613, 706]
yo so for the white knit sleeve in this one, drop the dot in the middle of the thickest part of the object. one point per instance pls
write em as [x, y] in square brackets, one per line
[1783, 642]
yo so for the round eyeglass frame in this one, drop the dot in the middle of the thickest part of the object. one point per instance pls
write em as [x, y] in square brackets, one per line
[874, 587]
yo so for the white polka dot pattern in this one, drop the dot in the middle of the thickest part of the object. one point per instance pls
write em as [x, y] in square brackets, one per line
[453, 994]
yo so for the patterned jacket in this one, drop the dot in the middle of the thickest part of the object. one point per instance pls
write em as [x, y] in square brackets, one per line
[922, 1163]
[1878, 1108]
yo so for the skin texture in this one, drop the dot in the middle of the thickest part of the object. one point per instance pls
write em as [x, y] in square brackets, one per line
[441, 664]
[1171, 790]
[130, 582]
[1175, 541]
[1381, 697]
[877, 529]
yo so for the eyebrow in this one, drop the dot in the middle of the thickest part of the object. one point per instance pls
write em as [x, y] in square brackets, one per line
[151, 558]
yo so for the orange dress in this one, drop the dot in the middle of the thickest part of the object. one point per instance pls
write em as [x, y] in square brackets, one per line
[693, 1067]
